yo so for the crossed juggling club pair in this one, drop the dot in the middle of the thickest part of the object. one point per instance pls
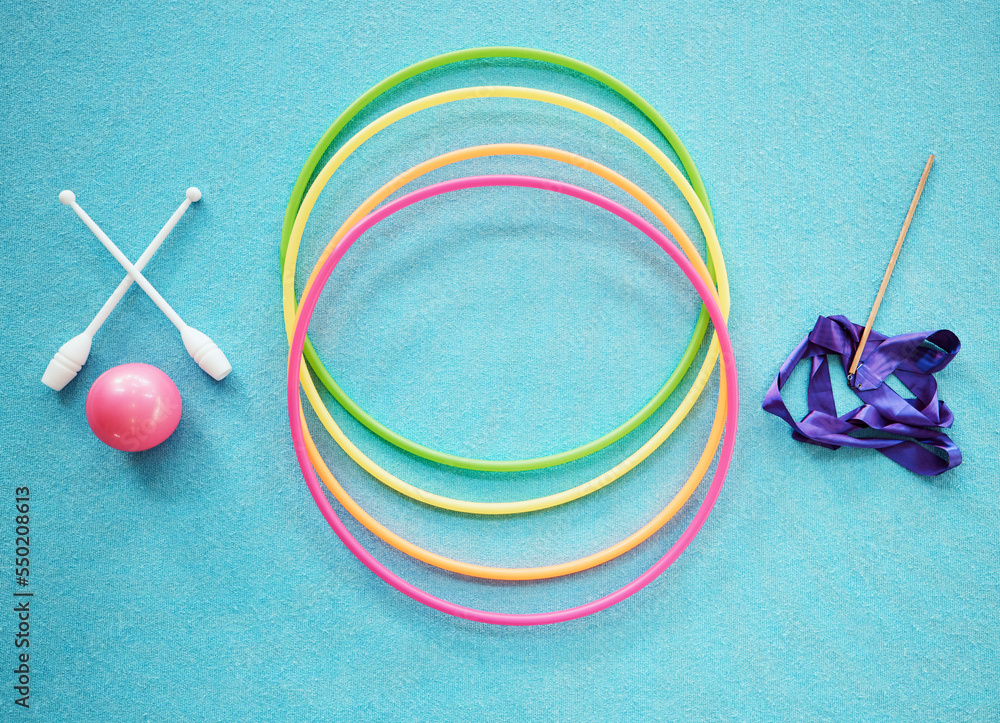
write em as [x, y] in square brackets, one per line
[73, 354]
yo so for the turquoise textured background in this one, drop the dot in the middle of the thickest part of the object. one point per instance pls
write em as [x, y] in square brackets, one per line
[198, 581]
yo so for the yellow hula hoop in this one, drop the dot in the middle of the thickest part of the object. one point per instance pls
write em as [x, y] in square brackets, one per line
[542, 96]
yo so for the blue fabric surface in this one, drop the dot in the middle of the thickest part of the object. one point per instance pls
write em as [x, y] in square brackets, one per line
[197, 581]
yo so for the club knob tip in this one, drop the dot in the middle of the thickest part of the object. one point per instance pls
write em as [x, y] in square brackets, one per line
[206, 353]
[67, 197]
[67, 362]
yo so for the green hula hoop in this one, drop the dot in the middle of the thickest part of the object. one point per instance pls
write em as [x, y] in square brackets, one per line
[331, 134]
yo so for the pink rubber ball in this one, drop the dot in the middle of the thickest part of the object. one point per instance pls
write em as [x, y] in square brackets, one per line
[133, 407]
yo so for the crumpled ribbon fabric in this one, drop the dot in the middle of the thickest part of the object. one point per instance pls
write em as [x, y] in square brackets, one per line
[913, 358]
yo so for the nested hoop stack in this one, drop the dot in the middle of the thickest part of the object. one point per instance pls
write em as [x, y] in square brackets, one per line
[709, 280]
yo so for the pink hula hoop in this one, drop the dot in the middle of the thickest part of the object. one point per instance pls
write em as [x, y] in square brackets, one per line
[305, 312]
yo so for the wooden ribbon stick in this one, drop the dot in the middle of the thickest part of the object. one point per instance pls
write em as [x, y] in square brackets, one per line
[888, 271]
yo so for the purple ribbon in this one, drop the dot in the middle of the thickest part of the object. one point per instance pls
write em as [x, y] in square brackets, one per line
[913, 358]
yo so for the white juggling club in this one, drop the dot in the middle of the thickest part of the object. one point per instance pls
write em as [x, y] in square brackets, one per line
[72, 355]
[202, 349]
